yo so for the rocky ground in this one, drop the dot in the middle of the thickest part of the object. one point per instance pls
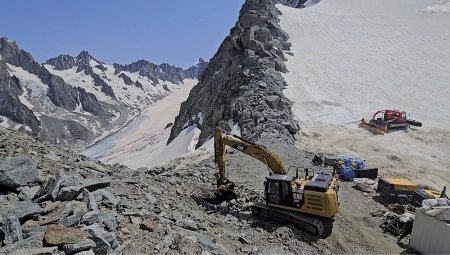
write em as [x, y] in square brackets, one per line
[54, 201]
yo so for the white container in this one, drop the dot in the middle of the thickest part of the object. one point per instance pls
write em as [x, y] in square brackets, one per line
[430, 235]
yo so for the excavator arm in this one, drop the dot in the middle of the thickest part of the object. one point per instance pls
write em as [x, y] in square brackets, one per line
[259, 152]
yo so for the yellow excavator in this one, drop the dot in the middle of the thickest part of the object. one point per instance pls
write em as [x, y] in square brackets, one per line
[308, 202]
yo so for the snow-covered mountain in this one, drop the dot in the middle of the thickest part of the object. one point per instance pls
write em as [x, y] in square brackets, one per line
[77, 100]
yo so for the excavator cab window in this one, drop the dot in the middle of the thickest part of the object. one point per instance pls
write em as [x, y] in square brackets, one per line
[278, 190]
[273, 192]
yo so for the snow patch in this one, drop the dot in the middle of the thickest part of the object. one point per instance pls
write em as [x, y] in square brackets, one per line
[442, 6]
[24, 100]
[200, 118]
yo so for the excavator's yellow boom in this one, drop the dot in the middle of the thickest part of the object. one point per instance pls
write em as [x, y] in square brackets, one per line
[259, 152]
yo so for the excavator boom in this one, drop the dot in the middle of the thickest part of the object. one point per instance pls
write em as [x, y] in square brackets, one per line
[223, 139]
[259, 152]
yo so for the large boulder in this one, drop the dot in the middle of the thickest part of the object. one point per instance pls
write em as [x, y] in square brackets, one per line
[59, 235]
[11, 230]
[17, 171]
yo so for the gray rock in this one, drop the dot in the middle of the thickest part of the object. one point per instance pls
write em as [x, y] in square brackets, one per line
[49, 190]
[108, 220]
[151, 199]
[83, 245]
[247, 20]
[135, 220]
[73, 180]
[102, 244]
[189, 224]
[28, 243]
[17, 171]
[155, 190]
[108, 199]
[95, 184]
[74, 217]
[90, 200]
[90, 218]
[12, 230]
[263, 35]
[88, 252]
[280, 66]
[20, 209]
[32, 231]
[68, 193]
[28, 193]
[53, 157]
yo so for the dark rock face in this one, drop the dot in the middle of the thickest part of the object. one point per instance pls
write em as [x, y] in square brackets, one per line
[243, 82]
[10, 105]
[60, 93]
[126, 79]
[89, 102]
[196, 70]
[62, 62]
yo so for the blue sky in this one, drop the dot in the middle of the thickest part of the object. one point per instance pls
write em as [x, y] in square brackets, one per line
[175, 32]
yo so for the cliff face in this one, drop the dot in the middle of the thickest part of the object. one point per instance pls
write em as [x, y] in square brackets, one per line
[242, 83]
[10, 105]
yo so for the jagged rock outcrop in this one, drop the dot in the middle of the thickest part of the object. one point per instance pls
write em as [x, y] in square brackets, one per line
[197, 69]
[89, 102]
[62, 62]
[126, 79]
[243, 82]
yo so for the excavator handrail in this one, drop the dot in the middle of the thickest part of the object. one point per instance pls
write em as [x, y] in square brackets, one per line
[259, 152]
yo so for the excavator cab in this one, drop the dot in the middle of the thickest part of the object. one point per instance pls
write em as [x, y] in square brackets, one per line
[278, 189]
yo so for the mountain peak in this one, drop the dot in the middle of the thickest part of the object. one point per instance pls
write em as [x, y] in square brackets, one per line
[85, 57]
[11, 43]
[199, 62]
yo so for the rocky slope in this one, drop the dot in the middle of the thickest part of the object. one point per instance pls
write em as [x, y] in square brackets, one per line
[52, 200]
[76, 100]
[243, 83]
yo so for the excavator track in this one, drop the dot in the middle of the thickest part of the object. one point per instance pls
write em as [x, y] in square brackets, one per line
[320, 227]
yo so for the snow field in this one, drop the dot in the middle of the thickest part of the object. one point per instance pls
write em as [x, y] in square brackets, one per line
[354, 57]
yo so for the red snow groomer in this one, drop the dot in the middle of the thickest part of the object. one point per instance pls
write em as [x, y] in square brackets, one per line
[388, 120]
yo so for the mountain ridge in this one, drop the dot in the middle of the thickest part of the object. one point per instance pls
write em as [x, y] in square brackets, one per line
[78, 93]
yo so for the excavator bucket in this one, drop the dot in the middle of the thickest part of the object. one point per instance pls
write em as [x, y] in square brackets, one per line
[223, 195]
[225, 191]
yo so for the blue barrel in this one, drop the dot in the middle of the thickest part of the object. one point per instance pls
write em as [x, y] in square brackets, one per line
[347, 173]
